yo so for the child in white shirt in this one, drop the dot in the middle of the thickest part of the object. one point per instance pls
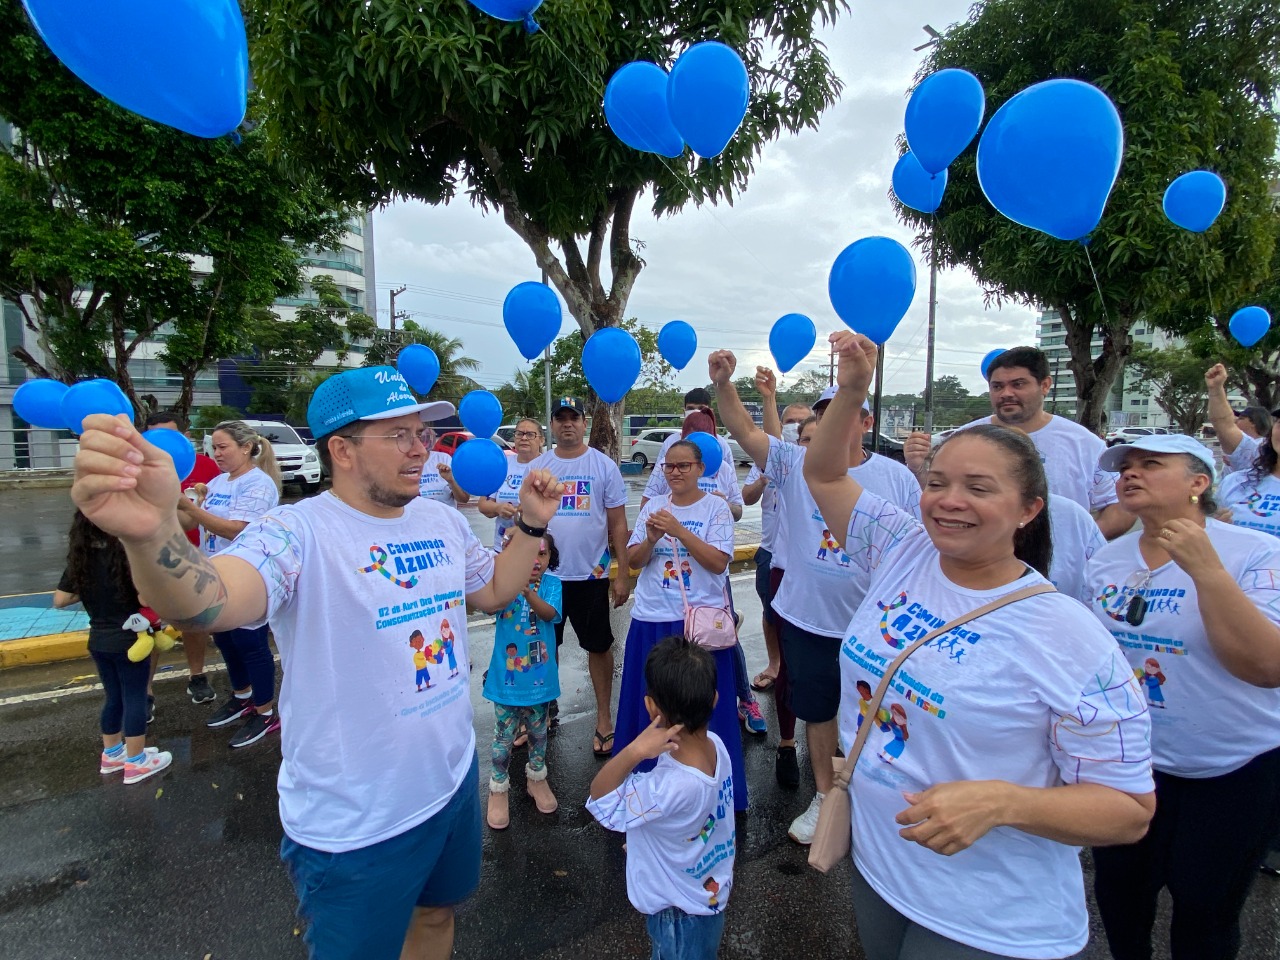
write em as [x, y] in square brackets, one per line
[678, 817]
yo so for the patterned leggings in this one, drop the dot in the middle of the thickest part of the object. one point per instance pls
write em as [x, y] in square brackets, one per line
[506, 723]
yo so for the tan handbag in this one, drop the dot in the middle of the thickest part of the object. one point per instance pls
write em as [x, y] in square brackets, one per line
[833, 836]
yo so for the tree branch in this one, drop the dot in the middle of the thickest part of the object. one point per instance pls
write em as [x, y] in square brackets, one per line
[626, 265]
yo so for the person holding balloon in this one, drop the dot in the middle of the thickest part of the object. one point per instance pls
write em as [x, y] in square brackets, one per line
[247, 488]
[503, 507]
[1238, 437]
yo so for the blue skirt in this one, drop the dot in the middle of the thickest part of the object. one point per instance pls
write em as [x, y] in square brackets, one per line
[633, 719]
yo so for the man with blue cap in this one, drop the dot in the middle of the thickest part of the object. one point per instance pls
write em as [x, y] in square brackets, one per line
[363, 586]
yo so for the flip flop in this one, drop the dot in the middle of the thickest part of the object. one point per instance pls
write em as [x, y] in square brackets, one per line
[763, 681]
[602, 744]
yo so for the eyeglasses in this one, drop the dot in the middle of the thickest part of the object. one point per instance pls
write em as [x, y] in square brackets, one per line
[527, 434]
[405, 439]
[684, 466]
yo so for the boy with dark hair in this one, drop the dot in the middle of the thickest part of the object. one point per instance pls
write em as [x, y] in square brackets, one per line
[677, 815]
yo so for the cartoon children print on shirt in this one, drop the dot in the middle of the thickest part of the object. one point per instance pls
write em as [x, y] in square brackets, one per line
[446, 644]
[514, 663]
[422, 676]
[897, 729]
[1151, 679]
[864, 704]
[828, 544]
[713, 888]
[668, 574]
[538, 660]
[686, 574]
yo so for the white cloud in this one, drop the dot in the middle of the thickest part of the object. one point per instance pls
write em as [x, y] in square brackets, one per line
[731, 271]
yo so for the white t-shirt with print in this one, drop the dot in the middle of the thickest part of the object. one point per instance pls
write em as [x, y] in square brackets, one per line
[432, 485]
[1076, 538]
[1242, 457]
[245, 498]
[1204, 721]
[768, 508]
[1033, 693]
[592, 485]
[724, 482]
[1070, 455]
[354, 602]
[509, 492]
[821, 589]
[657, 596]
[1254, 504]
[680, 834]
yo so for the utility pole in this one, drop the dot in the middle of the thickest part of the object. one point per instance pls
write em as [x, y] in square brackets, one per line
[395, 316]
[546, 369]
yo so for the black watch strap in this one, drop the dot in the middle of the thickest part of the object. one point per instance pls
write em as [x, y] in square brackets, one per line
[531, 531]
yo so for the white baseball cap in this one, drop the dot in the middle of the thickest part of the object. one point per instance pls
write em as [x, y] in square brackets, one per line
[1158, 443]
[829, 393]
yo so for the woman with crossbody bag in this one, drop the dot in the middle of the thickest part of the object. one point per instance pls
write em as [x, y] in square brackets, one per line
[1003, 743]
[682, 545]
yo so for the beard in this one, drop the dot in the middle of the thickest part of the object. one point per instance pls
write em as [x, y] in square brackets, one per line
[1019, 416]
[388, 498]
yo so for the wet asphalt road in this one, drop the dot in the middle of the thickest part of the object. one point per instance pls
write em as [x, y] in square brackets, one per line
[186, 865]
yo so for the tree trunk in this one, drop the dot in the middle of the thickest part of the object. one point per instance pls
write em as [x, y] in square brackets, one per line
[1095, 377]
[1262, 386]
[186, 394]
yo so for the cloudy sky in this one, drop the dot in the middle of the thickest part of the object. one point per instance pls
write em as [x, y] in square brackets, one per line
[732, 271]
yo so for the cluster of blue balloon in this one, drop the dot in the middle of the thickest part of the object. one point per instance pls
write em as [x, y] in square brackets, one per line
[184, 63]
[943, 116]
[479, 465]
[52, 405]
[701, 103]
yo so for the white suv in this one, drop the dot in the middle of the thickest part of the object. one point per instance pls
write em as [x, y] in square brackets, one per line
[298, 460]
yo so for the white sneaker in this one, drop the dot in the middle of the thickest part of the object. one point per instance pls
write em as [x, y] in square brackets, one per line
[803, 826]
[153, 764]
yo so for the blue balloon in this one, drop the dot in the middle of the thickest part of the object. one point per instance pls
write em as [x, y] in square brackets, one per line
[513, 11]
[988, 360]
[1050, 156]
[712, 455]
[177, 446]
[1195, 199]
[92, 396]
[1249, 325]
[480, 467]
[790, 339]
[481, 413]
[676, 342]
[531, 314]
[943, 116]
[39, 402]
[872, 284]
[611, 361]
[707, 96]
[419, 366]
[635, 105]
[916, 188]
[184, 63]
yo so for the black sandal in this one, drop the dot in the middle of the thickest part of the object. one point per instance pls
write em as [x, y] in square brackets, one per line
[602, 744]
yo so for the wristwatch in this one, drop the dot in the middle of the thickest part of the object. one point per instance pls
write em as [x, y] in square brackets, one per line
[531, 531]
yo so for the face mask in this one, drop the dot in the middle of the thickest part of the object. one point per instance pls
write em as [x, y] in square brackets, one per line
[694, 410]
[791, 432]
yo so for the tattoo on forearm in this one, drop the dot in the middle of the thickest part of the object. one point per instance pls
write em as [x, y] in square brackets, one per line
[179, 558]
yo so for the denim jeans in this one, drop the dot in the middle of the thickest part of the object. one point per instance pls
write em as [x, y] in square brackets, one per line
[677, 935]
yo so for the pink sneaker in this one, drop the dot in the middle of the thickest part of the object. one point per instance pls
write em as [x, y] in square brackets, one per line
[108, 764]
[150, 766]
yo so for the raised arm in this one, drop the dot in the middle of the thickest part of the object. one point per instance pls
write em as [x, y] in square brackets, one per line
[826, 465]
[767, 384]
[1220, 413]
[753, 491]
[734, 416]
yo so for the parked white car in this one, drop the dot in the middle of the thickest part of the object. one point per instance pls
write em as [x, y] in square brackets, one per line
[646, 445]
[1129, 434]
[299, 462]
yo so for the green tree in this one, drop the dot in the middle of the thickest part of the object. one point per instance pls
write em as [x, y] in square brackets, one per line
[1174, 376]
[398, 98]
[523, 396]
[453, 383]
[102, 216]
[569, 379]
[1195, 81]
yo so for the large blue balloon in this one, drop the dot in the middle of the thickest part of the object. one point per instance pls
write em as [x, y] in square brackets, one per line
[481, 413]
[712, 455]
[1050, 156]
[943, 116]
[1249, 325]
[513, 11]
[531, 313]
[707, 96]
[419, 366]
[988, 360]
[790, 339]
[92, 396]
[916, 188]
[180, 62]
[39, 402]
[177, 446]
[480, 467]
[872, 284]
[1195, 199]
[677, 342]
[611, 361]
[635, 104]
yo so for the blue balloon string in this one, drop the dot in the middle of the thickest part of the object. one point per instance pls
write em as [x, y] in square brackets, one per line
[1097, 286]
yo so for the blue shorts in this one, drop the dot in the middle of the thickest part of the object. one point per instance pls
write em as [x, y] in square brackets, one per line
[358, 904]
[676, 935]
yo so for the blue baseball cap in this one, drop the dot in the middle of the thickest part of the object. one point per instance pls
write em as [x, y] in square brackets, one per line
[1111, 460]
[369, 393]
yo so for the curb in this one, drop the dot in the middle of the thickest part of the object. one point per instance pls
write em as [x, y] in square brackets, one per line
[57, 647]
